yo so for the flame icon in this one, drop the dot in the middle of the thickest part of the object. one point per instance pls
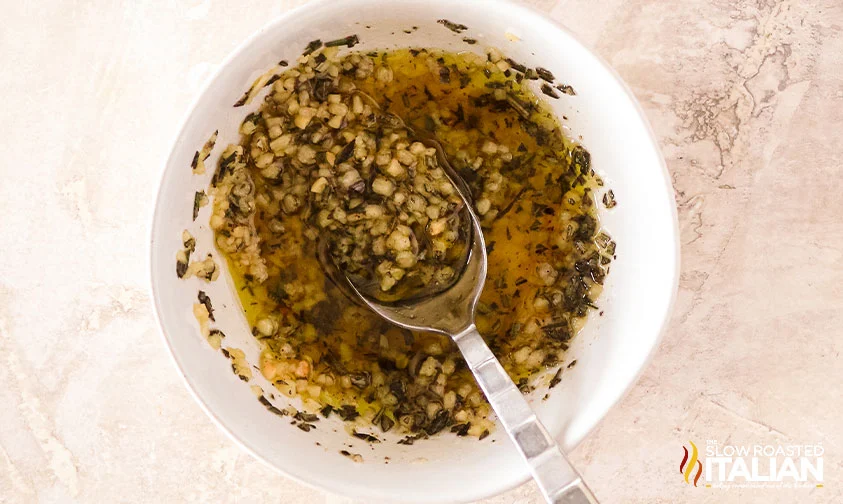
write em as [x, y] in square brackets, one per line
[687, 466]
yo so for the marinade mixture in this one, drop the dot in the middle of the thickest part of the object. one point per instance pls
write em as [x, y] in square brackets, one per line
[335, 158]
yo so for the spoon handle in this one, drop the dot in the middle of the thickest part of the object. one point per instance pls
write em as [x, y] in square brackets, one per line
[558, 481]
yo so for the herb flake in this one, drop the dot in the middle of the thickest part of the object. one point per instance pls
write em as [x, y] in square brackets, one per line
[349, 41]
[311, 47]
[366, 437]
[454, 27]
[609, 199]
[205, 300]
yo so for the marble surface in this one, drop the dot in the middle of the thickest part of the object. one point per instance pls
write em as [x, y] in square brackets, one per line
[746, 98]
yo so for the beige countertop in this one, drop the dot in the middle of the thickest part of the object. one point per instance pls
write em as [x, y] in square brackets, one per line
[746, 98]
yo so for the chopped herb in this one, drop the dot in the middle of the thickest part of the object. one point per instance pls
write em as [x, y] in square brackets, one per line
[312, 46]
[181, 269]
[609, 199]
[429, 123]
[346, 152]
[253, 118]
[348, 412]
[556, 379]
[523, 386]
[587, 226]
[272, 80]
[568, 90]
[349, 41]
[545, 75]
[263, 400]
[523, 109]
[581, 159]
[205, 300]
[444, 75]
[361, 380]
[516, 66]
[409, 440]
[602, 240]
[242, 100]
[225, 163]
[469, 41]
[512, 203]
[305, 426]
[355, 457]
[559, 331]
[454, 27]
[305, 417]
[365, 437]
[546, 89]
[386, 423]
[438, 423]
[465, 79]
[572, 364]
[461, 429]
[199, 200]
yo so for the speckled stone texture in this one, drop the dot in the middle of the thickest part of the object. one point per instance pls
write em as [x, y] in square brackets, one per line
[746, 98]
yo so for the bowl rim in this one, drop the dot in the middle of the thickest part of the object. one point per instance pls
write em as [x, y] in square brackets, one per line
[290, 15]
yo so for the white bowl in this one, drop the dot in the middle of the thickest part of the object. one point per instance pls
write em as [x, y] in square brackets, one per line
[611, 350]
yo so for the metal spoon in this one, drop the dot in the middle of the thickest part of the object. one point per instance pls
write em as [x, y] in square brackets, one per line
[451, 312]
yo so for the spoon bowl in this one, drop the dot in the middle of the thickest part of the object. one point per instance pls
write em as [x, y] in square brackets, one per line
[445, 309]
